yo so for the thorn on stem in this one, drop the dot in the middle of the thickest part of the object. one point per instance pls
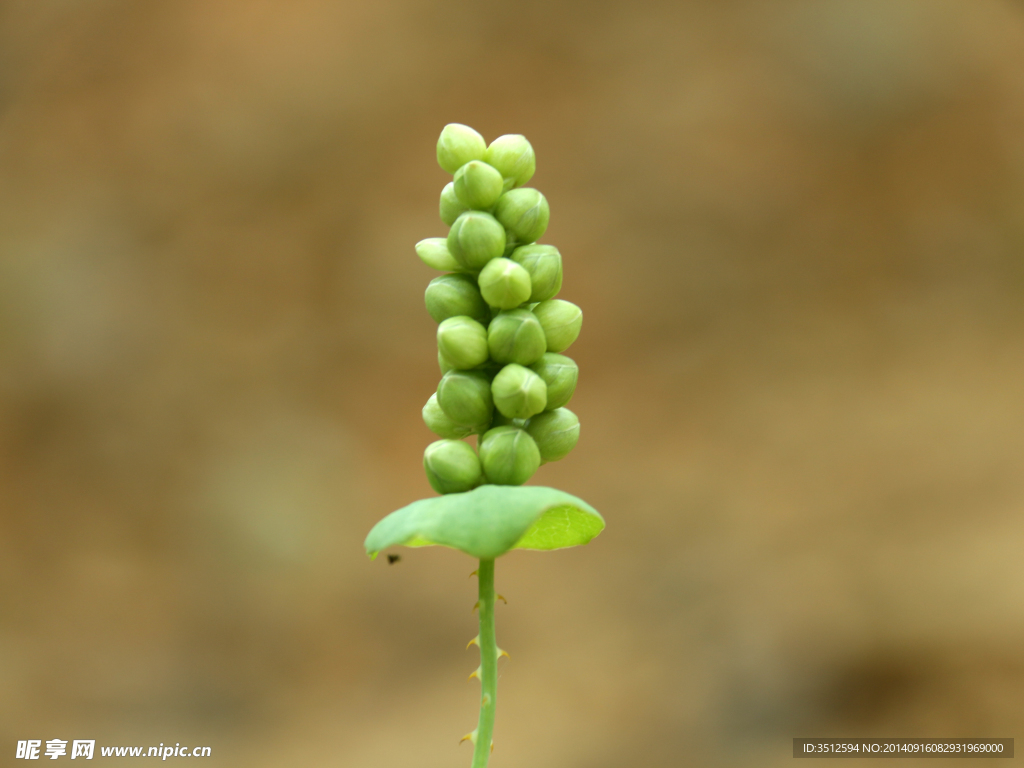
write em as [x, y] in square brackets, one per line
[501, 597]
[471, 736]
[474, 573]
[475, 641]
[475, 673]
[475, 607]
[503, 653]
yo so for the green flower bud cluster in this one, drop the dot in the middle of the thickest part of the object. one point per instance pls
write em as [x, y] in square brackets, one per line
[500, 328]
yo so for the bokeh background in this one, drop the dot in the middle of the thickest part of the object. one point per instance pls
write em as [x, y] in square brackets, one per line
[797, 233]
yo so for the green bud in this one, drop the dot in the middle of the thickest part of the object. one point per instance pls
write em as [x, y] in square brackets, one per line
[513, 156]
[439, 423]
[465, 397]
[504, 284]
[462, 341]
[544, 263]
[518, 392]
[476, 238]
[560, 375]
[452, 466]
[509, 456]
[516, 336]
[555, 433]
[523, 212]
[434, 253]
[451, 295]
[450, 206]
[561, 321]
[477, 185]
[457, 145]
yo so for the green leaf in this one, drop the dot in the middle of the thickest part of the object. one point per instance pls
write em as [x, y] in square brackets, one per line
[489, 521]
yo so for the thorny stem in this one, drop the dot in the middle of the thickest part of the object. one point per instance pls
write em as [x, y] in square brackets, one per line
[488, 666]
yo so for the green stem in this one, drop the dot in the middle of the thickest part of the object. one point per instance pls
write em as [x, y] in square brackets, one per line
[488, 666]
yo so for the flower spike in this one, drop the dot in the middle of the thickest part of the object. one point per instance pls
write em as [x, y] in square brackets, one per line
[500, 332]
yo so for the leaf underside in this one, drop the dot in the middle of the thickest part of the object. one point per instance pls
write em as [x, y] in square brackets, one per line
[489, 521]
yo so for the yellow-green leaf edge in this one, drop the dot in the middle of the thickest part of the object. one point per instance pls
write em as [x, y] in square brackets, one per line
[489, 521]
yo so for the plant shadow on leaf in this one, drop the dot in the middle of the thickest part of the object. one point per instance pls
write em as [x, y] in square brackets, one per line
[489, 521]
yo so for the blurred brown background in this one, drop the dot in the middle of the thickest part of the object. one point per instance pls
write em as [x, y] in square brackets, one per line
[796, 232]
